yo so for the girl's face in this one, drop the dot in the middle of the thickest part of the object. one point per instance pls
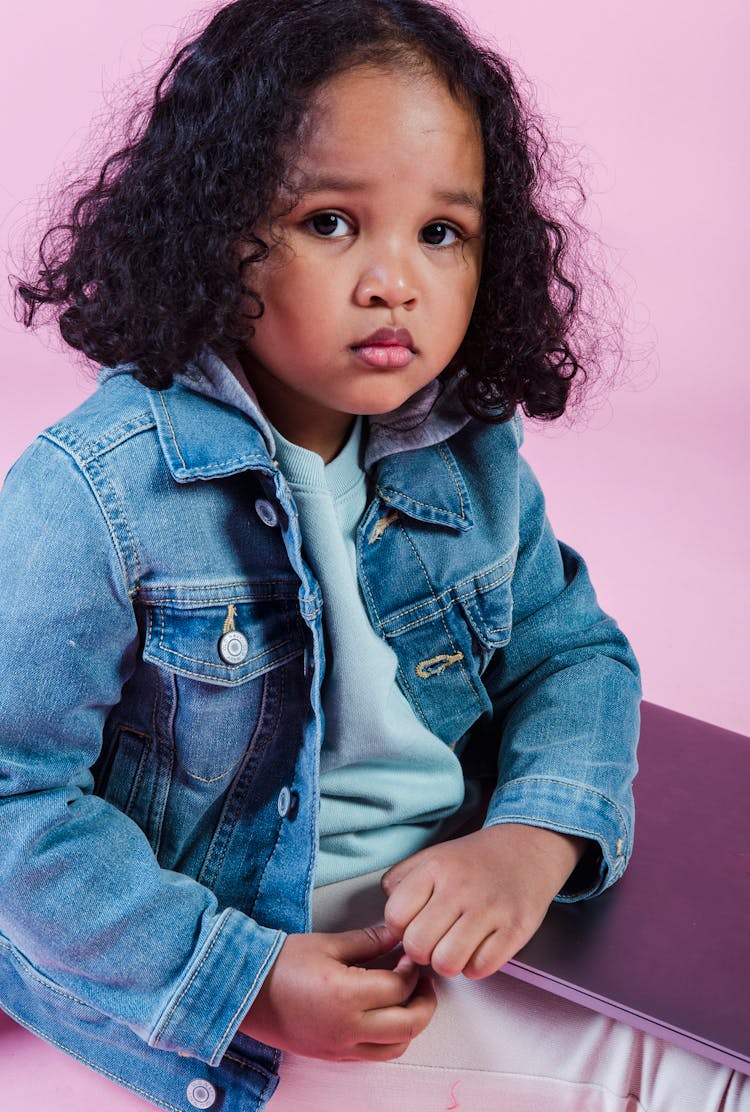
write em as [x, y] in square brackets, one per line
[370, 292]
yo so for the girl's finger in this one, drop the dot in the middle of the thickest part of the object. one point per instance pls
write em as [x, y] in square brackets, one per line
[402, 1024]
[376, 1052]
[359, 946]
[457, 946]
[376, 989]
[428, 927]
[393, 876]
[407, 899]
[489, 956]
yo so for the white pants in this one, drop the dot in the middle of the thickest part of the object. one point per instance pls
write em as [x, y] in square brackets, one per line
[501, 1045]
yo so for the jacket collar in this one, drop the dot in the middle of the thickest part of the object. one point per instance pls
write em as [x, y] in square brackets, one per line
[210, 425]
[203, 438]
[427, 485]
[415, 470]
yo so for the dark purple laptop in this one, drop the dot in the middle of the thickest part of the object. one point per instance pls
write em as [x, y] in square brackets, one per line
[667, 949]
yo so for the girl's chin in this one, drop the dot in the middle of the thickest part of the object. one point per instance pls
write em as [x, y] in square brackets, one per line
[385, 396]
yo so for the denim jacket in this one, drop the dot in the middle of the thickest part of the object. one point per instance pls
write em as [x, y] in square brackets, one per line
[160, 712]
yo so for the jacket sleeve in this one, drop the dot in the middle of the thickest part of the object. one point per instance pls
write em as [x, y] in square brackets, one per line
[565, 693]
[86, 910]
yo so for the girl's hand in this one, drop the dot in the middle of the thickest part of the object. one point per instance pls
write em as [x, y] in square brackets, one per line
[319, 1001]
[467, 906]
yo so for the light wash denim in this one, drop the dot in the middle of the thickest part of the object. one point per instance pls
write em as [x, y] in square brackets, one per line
[159, 783]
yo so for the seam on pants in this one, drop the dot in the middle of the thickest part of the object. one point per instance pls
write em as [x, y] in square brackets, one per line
[520, 1076]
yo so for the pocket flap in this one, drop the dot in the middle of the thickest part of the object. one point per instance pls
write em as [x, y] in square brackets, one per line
[185, 627]
[489, 611]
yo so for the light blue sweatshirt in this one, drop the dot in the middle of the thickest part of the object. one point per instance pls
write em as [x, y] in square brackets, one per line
[388, 785]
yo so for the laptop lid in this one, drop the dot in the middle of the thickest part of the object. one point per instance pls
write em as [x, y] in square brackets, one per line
[667, 948]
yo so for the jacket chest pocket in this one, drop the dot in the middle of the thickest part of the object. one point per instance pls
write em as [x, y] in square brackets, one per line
[445, 642]
[224, 656]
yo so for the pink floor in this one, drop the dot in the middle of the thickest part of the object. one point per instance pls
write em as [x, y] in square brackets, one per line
[36, 1077]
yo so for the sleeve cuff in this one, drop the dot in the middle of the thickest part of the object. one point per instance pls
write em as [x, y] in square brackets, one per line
[570, 808]
[205, 1012]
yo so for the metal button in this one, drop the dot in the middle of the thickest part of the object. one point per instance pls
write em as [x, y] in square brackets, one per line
[201, 1093]
[233, 647]
[266, 512]
[288, 803]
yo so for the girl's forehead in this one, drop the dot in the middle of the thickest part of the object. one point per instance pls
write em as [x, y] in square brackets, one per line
[391, 117]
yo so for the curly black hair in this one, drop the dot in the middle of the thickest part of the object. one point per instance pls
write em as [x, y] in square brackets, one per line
[144, 269]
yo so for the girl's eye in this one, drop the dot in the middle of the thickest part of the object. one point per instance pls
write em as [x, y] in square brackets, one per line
[439, 235]
[329, 224]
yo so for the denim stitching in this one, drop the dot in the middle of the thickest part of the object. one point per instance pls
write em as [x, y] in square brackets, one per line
[167, 1018]
[154, 594]
[86, 450]
[245, 1065]
[431, 505]
[522, 817]
[120, 433]
[149, 626]
[30, 972]
[451, 591]
[447, 460]
[114, 513]
[270, 956]
[467, 679]
[272, 649]
[426, 603]
[211, 779]
[153, 657]
[227, 466]
[571, 786]
[207, 675]
[155, 707]
[415, 699]
[416, 502]
[171, 429]
[367, 590]
[484, 572]
[212, 586]
[433, 613]
[164, 750]
[249, 749]
[428, 617]
[313, 815]
[212, 663]
[262, 878]
[479, 624]
[100, 502]
[136, 785]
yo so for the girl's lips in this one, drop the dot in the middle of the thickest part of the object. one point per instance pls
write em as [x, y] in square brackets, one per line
[384, 355]
[387, 347]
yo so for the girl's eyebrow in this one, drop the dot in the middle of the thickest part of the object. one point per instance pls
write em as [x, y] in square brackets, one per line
[324, 183]
[460, 197]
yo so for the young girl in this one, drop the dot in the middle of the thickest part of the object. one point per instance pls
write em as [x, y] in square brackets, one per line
[284, 624]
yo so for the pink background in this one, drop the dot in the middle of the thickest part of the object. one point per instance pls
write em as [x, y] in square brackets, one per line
[652, 487]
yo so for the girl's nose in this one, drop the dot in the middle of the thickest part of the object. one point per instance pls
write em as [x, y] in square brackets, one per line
[388, 283]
